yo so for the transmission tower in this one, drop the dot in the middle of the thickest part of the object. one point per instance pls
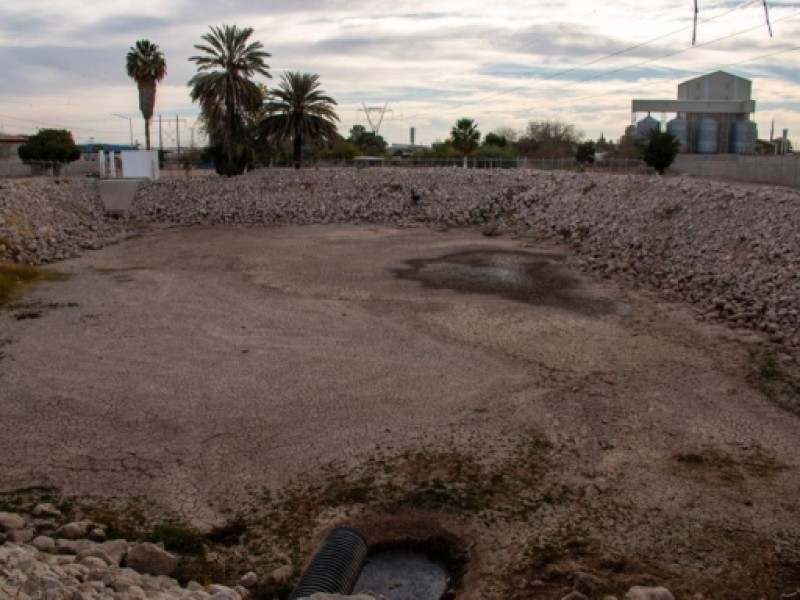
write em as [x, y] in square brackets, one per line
[375, 115]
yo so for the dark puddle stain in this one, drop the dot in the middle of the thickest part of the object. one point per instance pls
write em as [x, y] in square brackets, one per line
[529, 277]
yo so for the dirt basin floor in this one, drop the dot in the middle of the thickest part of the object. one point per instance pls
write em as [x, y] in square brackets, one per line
[542, 420]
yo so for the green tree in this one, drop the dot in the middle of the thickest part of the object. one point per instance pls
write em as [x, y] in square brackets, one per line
[495, 139]
[146, 66]
[585, 152]
[50, 145]
[224, 88]
[298, 110]
[660, 150]
[465, 137]
[368, 143]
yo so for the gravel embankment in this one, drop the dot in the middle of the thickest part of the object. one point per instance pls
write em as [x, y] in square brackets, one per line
[733, 250]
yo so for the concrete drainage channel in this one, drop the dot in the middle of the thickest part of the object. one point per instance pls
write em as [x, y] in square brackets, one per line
[345, 565]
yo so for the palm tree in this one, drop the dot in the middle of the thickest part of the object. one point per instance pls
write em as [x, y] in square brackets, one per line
[223, 83]
[465, 137]
[146, 66]
[299, 110]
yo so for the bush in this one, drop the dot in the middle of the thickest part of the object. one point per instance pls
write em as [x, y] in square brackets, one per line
[585, 152]
[660, 150]
[50, 145]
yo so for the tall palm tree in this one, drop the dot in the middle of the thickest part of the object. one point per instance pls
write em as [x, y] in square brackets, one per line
[298, 110]
[146, 66]
[465, 137]
[223, 83]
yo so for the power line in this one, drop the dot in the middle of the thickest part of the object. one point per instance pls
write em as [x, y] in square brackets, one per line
[612, 71]
[690, 72]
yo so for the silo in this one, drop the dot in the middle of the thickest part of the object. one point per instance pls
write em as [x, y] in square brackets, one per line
[707, 136]
[679, 127]
[647, 126]
[744, 137]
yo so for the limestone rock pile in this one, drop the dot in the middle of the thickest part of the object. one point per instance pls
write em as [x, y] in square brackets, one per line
[41, 559]
[44, 220]
[734, 250]
[731, 249]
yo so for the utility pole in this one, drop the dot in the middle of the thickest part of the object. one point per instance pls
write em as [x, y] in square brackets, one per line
[160, 136]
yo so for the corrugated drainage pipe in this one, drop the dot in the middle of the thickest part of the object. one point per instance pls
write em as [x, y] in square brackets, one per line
[336, 565]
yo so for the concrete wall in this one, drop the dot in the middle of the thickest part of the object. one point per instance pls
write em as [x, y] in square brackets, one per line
[17, 169]
[772, 170]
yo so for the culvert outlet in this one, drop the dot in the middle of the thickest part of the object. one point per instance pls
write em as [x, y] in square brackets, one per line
[336, 565]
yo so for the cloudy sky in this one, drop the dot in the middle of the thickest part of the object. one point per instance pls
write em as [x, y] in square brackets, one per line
[503, 63]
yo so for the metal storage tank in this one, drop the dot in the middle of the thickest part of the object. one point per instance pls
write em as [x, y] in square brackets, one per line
[647, 126]
[707, 136]
[745, 134]
[679, 127]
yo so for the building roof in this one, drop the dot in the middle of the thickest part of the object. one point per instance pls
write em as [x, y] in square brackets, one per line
[715, 75]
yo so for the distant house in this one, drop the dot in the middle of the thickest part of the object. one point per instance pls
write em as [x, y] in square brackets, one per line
[9, 146]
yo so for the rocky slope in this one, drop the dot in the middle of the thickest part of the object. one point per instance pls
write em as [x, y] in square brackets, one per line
[732, 250]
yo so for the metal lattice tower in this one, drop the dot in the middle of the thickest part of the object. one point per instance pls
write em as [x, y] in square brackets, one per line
[375, 115]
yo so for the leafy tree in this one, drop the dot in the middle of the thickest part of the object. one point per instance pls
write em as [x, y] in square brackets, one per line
[146, 66]
[585, 152]
[660, 150]
[439, 151]
[224, 88]
[495, 139]
[497, 152]
[298, 110]
[50, 145]
[465, 137]
[549, 139]
[367, 142]
[340, 148]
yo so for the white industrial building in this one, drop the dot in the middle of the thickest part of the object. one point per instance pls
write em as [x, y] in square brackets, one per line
[711, 115]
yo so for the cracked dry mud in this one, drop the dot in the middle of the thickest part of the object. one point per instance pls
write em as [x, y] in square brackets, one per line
[414, 384]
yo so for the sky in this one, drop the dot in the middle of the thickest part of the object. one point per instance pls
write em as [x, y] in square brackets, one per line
[502, 63]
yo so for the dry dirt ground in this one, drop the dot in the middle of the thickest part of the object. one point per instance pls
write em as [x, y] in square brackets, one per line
[474, 395]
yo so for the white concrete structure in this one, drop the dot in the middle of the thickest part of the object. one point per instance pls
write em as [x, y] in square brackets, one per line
[718, 96]
[140, 164]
